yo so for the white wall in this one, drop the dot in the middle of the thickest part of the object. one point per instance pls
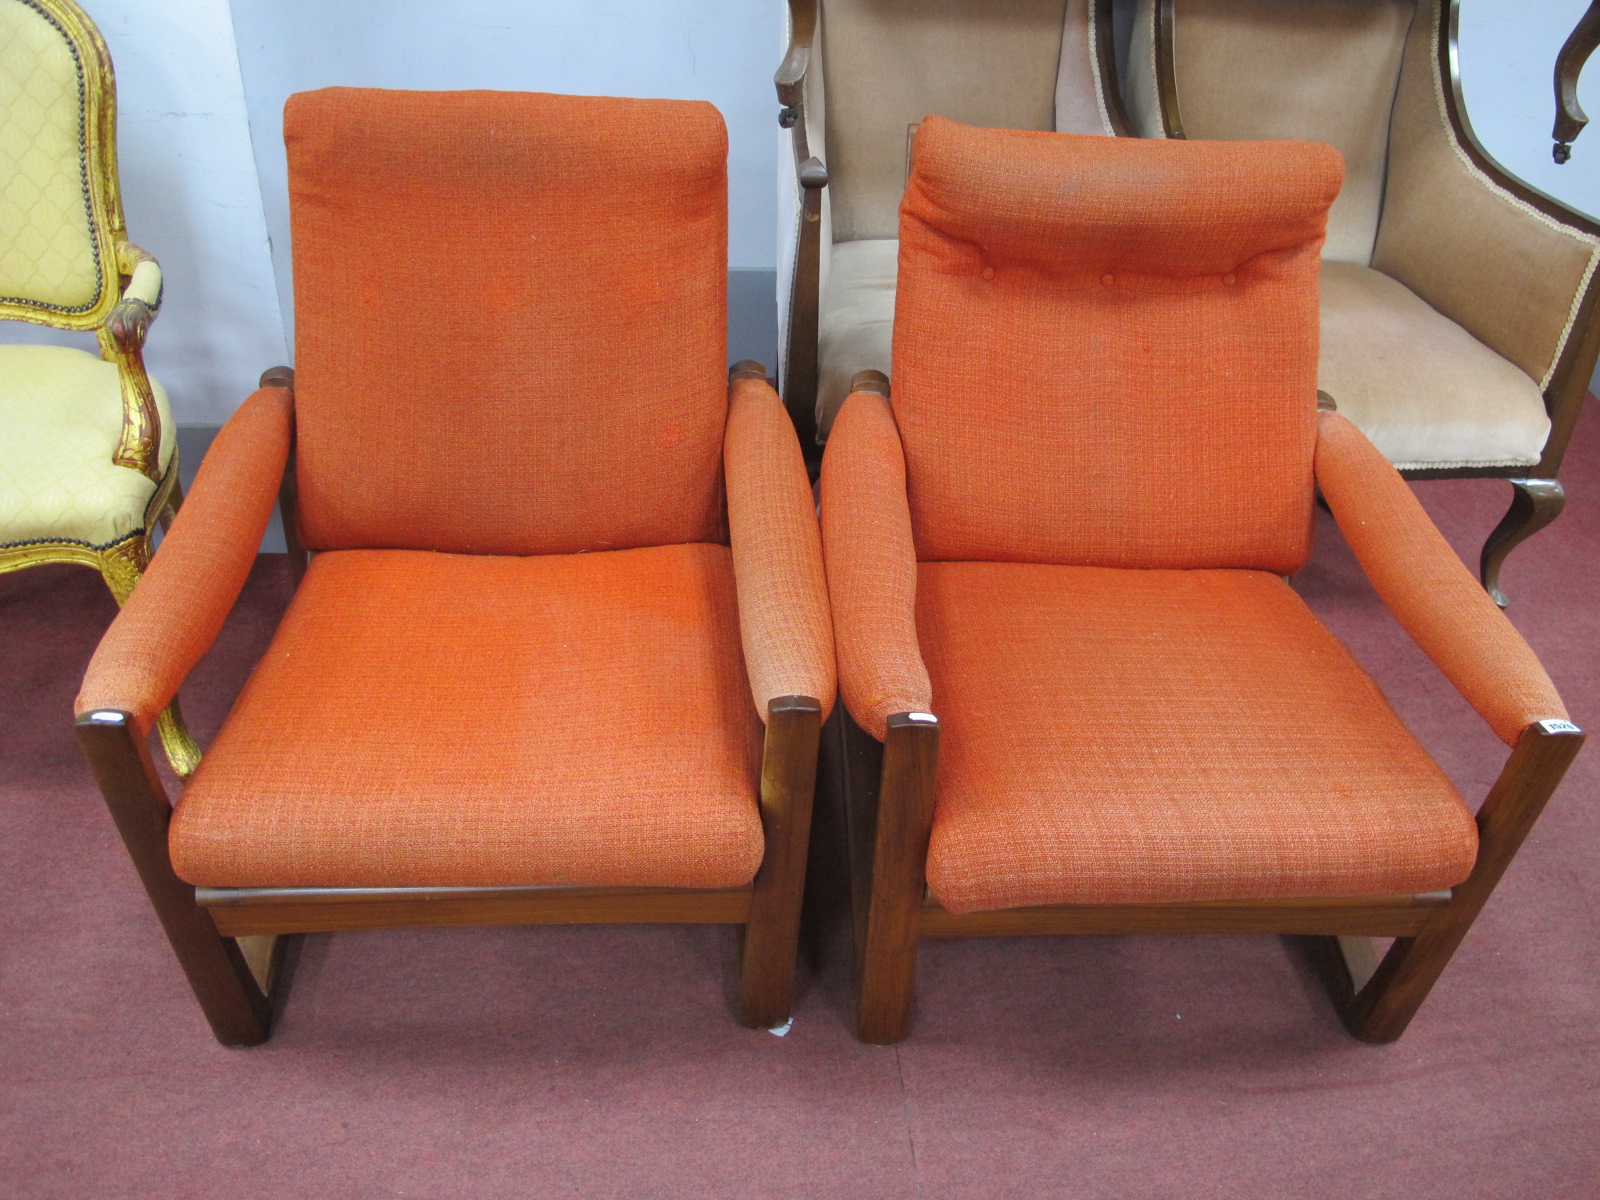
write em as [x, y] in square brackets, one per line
[193, 200]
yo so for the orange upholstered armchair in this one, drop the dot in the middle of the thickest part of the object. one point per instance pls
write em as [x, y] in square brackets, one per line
[1090, 701]
[565, 568]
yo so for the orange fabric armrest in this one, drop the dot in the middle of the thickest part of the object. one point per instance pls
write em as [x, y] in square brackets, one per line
[192, 582]
[777, 552]
[1426, 587]
[872, 565]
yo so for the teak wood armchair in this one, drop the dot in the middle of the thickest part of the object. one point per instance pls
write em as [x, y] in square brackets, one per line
[89, 456]
[857, 78]
[1459, 304]
[1081, 696]
[565, 566]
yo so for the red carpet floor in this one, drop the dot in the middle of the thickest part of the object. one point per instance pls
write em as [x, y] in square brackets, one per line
[598, 1062]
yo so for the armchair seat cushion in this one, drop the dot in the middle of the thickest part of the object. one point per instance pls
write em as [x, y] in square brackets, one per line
[429, 719]
[1122, 736]
[61, 410]
[855, 323]
[1424, 390]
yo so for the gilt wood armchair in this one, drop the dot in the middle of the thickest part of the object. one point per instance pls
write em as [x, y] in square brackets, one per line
[858, 77]
[564, 568]
[1082, 697]
[89, 454]
[1459, 326]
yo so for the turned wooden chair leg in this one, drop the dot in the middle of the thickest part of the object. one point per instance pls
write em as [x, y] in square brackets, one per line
[1380, 1010]
[788, 787]
[1534, 504]
[234, 1002]
[888, 955]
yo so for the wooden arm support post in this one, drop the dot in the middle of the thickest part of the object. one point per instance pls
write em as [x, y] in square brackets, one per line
[772, 933]
[234, 1003]
[1570, 61]
[1381, 1010]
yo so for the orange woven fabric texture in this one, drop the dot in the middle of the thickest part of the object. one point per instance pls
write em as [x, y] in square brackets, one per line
[511, 320]
[181, 602]
[1118, 737]
[872, 565]
[1426, 587]
[458, 720]
[784, 621]
[1105, 349]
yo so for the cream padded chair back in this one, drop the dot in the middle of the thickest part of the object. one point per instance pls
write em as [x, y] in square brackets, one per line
[1261, 69]
[55, 256]
[993, 63]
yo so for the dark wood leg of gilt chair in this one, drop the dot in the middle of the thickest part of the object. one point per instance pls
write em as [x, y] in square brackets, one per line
[1534, 504]
[1381, 1010]
[233, 1001]
[788, 785]
[898, 880]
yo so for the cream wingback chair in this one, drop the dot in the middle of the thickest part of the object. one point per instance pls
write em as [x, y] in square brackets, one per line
[88, 453]
[1458, 304]
[860, 75]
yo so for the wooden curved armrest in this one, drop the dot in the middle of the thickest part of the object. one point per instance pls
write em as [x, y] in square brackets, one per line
[871, 558]
[186, 593]
[791, 74]
[139, 447]
[1427, 588]
[1570, 61]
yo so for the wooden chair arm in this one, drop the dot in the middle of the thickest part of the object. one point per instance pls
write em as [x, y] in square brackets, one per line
[139, 447]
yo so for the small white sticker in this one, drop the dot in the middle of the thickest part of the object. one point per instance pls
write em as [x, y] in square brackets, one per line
[1559, 727]
[923, 718]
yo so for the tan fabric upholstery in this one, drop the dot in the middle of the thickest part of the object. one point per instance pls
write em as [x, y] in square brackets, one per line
[1250, 69]
[1141, 92]
[60, 419]
[892, 62]
[1080, 92]
[1424, 390]
[855, 328]
[47, 248]
[1493, 264]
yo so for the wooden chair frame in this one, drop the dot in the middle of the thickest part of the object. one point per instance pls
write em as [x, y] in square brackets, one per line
[230, 941]
[798, 375]
[1537, 498]
[120, 316]
[889, 797]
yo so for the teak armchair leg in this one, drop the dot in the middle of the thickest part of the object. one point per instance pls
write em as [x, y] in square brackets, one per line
[230, 996]
[772, 935]
[1381, 1010]
[1534, 504]
[899, 847]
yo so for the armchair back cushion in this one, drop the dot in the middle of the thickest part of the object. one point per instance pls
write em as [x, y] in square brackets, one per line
[513, 342]
[1262, 69]
[1089, 374]
[56, 255]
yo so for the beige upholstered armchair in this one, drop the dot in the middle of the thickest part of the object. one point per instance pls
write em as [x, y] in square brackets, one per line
[1458, 303]
[1012, 64]
[88, 454]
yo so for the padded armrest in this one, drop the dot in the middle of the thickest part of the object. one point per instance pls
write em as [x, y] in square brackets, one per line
[784, 621]
[179, 605]
[132, 315]
[1427, 588]
[872, 565]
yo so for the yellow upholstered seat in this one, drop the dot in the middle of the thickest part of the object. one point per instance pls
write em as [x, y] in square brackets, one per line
[61, 410]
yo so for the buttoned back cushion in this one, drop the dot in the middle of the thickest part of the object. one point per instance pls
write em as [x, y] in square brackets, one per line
[511, 320]
[1106, 349]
